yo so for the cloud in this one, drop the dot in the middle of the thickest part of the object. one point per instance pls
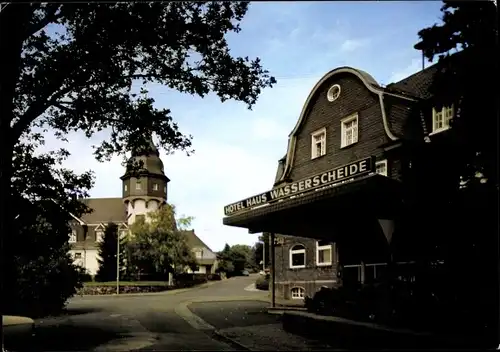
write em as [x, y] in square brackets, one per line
[350, 45]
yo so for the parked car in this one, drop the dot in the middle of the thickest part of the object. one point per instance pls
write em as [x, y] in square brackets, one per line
[245, 273]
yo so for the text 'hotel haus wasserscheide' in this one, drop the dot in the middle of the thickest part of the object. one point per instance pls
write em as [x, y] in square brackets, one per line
[338, 188]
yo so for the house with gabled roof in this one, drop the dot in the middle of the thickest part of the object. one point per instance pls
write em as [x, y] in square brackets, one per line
[338, 191]
[205, 257]
[143, 191]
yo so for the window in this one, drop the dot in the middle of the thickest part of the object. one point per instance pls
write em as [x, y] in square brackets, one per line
[298, 293]
[323, 253]
[333, 93]
[99, 235]
[199, 253]
[78, 255]
[381, 167]
[298, 256]
[441, 118]
[155, 187]
[165, 189]
[137, 185]
[125, 188]
[318, 143]
[72, 236]
[349, 127]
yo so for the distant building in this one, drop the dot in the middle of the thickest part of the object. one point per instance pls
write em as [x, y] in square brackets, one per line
[337, 190]
[141, 195]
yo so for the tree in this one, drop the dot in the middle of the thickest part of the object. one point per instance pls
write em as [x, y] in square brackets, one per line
[225, 263]
[471, 27]
[72, 67]
[158, 244]
[464, 185]
[241, 256]
[107, 254]
[38, 273]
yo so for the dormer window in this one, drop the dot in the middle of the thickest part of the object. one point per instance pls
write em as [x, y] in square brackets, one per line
[72, 236]
[318, 143]
[125, 187]
[155, 187]
[99, 235]
[441, 118]
[138, 186]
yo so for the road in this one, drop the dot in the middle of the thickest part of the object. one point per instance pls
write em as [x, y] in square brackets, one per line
[160, 321]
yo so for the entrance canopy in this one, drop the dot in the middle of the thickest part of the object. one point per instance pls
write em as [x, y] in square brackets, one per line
[328, 209]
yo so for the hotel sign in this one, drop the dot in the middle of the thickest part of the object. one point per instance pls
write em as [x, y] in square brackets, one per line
[355, 169]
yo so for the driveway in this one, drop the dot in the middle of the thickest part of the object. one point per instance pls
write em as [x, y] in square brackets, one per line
[139, 322]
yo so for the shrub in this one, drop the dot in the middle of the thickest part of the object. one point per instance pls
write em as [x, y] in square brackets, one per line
[189, 280]
[262, 283]
[214, 277]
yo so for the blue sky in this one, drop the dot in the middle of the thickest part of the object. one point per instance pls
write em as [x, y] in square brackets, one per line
[236, 149]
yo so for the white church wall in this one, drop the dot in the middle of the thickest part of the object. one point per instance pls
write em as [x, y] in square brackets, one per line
[140, 207]
[86, 258]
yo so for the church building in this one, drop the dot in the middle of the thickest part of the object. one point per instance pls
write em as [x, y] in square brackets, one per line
[143, 192]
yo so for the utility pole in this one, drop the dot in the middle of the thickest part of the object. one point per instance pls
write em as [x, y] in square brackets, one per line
[118, 261]
[263, 254]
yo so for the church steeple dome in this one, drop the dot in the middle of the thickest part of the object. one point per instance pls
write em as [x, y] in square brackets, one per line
[144, 181]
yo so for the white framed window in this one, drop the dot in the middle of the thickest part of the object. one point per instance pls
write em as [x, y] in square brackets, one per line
[318, 143]
[381, 167]
[349, 130]
[441, 118]
[323, 253]
[72, 236]
[198, 253]
[298, 256]
[125, 187]
[298, 293]
[155, 187]
[99, 234]
[333, 93]
[137, 185]
[165, 189]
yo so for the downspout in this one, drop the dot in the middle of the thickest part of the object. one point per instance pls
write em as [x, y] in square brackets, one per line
[384, 118]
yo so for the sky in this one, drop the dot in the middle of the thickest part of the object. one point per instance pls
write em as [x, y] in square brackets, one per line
[237, 150]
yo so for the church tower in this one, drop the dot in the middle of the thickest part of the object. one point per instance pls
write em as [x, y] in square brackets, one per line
[144, 190]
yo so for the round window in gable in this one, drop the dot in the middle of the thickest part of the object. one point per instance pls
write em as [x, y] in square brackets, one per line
[333, 93]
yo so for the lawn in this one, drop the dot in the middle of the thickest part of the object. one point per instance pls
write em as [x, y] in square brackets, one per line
[128, 283]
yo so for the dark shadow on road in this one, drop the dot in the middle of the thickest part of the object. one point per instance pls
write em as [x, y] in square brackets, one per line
[62, 338]
[78, 311]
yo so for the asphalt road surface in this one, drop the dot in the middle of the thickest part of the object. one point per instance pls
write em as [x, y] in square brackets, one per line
[147, 322]
[223, 315]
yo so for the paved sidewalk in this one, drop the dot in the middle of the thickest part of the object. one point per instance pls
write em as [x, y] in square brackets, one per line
[270, 337]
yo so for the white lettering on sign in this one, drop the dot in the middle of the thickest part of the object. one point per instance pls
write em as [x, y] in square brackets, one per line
[330, 177]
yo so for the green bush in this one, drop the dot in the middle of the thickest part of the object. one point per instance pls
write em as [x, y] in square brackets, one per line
[262, 283]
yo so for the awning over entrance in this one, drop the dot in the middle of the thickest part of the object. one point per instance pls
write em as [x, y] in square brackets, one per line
[333, 207]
